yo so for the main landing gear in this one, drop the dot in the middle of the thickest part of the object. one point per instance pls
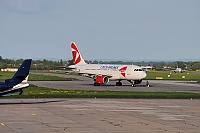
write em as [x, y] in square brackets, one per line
[96, 84]
[21, 91]
[119, 83]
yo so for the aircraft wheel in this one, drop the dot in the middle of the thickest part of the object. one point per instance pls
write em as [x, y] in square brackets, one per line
[133, 85]
[20, 92]
[118, 83]
[96, 84]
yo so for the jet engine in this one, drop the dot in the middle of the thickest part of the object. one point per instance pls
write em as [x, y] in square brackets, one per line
[138, 81]
[102, 79]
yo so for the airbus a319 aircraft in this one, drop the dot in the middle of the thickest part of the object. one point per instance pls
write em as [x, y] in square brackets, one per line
[103, 73]
[18, 81]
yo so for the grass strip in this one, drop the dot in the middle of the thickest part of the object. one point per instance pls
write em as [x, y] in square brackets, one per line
[40, 92]
[33, 77]
[167, 75]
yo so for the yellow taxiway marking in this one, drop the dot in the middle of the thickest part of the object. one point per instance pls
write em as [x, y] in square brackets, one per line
[33, 114]
[2, 124]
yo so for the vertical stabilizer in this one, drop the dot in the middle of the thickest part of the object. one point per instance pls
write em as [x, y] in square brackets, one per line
[21, 74]
[76, 55]
[23, 70]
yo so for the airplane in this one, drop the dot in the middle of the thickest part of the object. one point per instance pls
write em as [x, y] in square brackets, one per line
[18, 82]
[102, 73]
[178, 70]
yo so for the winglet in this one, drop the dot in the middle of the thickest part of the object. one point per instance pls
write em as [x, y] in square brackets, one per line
[76, 55]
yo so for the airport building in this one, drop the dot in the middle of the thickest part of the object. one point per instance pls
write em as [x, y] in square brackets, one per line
[9, 70]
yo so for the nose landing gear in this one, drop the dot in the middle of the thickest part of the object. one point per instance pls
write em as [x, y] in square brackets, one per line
[132, 82]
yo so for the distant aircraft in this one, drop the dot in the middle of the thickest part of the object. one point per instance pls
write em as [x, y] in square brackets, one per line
[103, 73]
[18, 81]
[146, 67]
[178, 70]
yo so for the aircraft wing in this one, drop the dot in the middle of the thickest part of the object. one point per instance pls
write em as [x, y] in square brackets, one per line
[94, 75]
[70, 69]
[146, 67]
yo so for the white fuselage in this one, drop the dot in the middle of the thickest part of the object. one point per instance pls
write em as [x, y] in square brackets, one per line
[114, 72]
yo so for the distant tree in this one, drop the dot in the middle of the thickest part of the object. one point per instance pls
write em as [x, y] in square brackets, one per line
[61, 62]
[181, 64]
[70, 62]
[196, 66]
[95, 62]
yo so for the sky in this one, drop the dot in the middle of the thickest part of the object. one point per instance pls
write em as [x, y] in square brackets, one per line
[102, 29]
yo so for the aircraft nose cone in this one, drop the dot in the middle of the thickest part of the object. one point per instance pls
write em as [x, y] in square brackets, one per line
[144, 75]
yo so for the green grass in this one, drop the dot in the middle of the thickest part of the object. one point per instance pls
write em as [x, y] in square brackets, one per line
[33, 77]
[51, 71]
[189, 76]
[6, 75]
[40, 92]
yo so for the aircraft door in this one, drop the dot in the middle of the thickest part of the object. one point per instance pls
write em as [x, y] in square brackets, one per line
[128, 73]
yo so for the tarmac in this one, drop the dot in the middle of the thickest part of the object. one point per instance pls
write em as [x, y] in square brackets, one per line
[85, 83]
[99, 116]
[103, 115]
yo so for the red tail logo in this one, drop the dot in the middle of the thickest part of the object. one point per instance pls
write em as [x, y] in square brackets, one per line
[123, 71]
[75, 54]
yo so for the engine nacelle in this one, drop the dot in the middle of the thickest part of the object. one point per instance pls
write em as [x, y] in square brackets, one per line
[138, 81]
[102, 79]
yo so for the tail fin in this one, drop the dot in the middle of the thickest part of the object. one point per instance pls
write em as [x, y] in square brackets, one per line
[76, 55]
[21, 74]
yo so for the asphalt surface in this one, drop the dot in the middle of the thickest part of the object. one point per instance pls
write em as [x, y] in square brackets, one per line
[103, 115]
[84, 83]
[99, 116]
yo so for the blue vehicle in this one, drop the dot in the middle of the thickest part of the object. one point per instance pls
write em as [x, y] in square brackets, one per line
[18, 82]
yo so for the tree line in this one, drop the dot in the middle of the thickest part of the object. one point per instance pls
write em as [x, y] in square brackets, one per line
[61, 64]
